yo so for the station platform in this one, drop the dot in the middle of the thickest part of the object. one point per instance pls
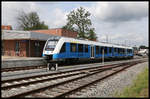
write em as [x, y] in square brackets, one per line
[9, 62]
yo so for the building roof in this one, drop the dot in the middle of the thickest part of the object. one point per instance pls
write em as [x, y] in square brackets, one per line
[53, 29]
[58, 32]
[13, 34]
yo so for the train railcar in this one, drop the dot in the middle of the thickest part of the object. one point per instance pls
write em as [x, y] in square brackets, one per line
[63, 48]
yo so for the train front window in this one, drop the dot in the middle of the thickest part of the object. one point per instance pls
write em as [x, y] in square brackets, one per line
[51, 45]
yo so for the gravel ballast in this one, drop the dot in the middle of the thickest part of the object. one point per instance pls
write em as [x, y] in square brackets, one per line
[113, 84]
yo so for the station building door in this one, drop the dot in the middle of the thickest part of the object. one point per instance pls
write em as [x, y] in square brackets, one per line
[37, 49]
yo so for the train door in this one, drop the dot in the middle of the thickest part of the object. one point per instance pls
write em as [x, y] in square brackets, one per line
[92, 51]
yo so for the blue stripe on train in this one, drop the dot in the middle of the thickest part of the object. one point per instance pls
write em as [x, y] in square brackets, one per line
[85, 55]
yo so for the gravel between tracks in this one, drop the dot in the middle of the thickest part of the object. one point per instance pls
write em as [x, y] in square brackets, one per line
[109, 86]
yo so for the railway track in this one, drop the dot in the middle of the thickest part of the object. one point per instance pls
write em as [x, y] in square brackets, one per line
[60, 84]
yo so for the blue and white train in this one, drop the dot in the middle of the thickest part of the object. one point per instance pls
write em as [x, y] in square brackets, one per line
[63, 49]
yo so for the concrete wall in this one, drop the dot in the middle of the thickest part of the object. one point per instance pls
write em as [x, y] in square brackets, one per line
[69, 33]
[9, 48]
[26, 49]
[22, 62]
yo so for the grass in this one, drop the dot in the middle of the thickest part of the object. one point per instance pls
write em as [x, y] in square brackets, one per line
[139, 88]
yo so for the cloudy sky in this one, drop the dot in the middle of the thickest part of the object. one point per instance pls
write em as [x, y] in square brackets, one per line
[122, 22]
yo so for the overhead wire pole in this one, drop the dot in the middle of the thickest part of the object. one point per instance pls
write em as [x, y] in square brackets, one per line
[103, 57]
[107, 38]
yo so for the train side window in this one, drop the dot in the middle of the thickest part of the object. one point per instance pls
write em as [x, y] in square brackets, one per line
[80, 47]
[105, 50]
[130, 51]
[115, 49]
[127, 50]
[97, 49]
[110, 49]
[63, 49]
[86, 48]
[118, 50]
[123, 51]
[73, 47]
[101, 50]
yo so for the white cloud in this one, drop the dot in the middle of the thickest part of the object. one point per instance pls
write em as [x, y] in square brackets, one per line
[120, 21]
[59, 16]
[118, 12]
[10, 11]
[130, 31]
[51, 15]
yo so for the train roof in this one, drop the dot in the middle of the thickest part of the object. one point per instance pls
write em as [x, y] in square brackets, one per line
[73, 40]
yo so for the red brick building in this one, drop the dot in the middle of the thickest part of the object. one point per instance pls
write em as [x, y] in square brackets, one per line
[29, 43]
[23, 43]
[59, 32]
[6, 27]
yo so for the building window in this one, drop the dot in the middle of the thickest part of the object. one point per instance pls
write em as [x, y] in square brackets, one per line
[80, 47]
[63, 49]
[17, 47]
[37, 44]
[73, 47]
[97, 49]
[86, 48]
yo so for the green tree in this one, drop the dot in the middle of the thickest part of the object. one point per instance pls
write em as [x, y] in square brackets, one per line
[78, 20]
[143, 47]
[30, 21]
[92, 35]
